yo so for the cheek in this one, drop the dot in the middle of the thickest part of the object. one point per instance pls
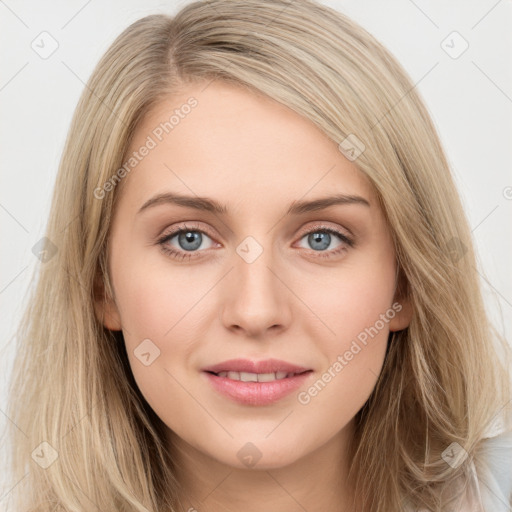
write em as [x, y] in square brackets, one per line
[152, 313]
[352, 309]
[157, 306]
[350, 300]
[156, 301]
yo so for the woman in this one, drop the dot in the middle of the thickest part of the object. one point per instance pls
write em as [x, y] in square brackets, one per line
[322, 343]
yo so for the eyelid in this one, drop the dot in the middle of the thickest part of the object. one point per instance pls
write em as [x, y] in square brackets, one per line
[322, 225]
[185, 226]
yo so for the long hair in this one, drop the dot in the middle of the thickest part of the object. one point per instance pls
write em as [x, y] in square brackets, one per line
[83, 436]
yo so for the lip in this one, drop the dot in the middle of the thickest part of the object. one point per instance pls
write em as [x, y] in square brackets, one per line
[246, 365]
[256, 393]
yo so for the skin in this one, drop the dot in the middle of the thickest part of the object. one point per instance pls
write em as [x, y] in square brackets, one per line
[257, 157]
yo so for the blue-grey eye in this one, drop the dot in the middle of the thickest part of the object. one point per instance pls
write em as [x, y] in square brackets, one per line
[188, 240]
[321, 239]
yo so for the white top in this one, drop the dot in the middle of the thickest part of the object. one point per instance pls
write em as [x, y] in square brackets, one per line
[493, 474]
[491, 487]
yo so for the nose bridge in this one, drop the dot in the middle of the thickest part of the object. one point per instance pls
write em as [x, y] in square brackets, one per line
[255, 282]
[257, 298]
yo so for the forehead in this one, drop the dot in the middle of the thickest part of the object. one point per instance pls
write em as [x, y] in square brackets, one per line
[223, 141]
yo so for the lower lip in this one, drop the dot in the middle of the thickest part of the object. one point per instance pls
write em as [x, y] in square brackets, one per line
[256, 393]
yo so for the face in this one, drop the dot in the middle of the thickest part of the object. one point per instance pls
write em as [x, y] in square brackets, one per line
[269, 274]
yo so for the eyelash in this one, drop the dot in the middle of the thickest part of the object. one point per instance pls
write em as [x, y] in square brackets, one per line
[162, 241]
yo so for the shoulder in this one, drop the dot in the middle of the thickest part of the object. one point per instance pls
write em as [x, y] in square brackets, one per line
[490, 487]
[493, 472]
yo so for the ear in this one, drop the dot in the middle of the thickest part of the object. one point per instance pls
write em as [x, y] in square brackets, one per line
[105, 307]
[402, 305]
[403, 317]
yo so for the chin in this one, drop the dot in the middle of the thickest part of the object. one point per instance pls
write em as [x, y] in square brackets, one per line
[260, 454]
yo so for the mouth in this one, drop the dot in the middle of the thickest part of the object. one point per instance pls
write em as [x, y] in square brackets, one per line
[256, 383]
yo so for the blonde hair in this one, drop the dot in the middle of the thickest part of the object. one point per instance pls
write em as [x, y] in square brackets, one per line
[444, 377]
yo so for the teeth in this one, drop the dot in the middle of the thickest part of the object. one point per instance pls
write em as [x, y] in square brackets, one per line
[255, 377]
[266, 377]
[248, 377]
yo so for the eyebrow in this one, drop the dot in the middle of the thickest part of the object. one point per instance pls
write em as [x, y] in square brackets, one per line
[210, 205]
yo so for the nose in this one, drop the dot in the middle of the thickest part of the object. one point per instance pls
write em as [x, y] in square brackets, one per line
[257, 301]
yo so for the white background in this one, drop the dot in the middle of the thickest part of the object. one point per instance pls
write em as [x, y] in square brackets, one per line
[469, 98]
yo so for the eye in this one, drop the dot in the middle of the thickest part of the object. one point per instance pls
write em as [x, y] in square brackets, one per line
[188, 240]
[321, 237]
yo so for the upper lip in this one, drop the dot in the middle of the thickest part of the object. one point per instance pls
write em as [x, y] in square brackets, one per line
[246, 365]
